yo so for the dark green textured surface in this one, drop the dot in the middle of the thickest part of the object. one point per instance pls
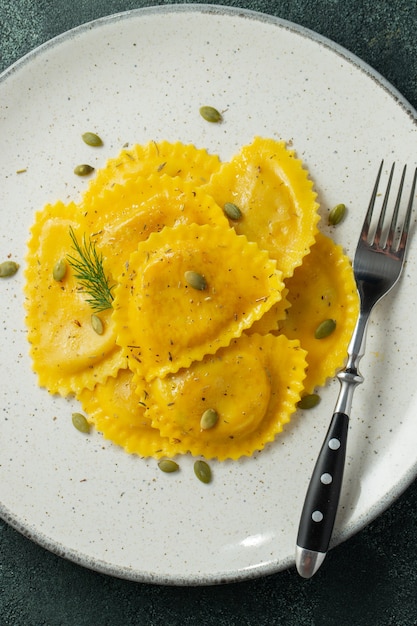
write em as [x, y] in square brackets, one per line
[370, 580]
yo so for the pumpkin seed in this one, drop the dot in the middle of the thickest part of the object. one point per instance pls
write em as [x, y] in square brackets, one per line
[232, 211]
[91, 139]
[80, 423]
[209, 419]
[325, 329]
[8, 268]
[83, 169]
[210, 114]
[60, 269]
[168, 466]
[337, 214]
[202, 471]
[309, 401]
[97, 324]
[195, 280]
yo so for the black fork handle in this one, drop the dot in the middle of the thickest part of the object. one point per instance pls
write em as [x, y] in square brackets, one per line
[322, 499]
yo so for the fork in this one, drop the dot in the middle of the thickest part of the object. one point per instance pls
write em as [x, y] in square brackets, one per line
[377, 265]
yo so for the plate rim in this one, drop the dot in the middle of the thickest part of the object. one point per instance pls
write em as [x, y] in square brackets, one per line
[220, 9]
[262, 569]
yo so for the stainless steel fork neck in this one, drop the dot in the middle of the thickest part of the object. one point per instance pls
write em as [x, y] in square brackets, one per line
[350, 377]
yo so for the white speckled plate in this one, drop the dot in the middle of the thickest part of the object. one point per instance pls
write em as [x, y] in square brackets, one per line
[143, 75]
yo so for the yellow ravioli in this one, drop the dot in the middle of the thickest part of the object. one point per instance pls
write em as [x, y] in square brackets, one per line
[322, 288]
[163, 322]
[243, 344]
[126, 214]
[276, 198]
[173, 159]
[117, 413]
[254, 385]
[67, 354]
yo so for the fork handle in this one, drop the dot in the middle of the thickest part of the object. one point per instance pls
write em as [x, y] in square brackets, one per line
[322, 499]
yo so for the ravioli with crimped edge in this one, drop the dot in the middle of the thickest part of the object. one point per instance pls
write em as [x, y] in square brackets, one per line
[249, 415]
[123, 215]
[275, 196]
[163, 323]
[67, 354]
[322, 288]
[155, 157]
[117, 412]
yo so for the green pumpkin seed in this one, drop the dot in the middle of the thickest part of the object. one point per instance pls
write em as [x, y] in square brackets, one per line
[168, 466]
[325, 329]
[337, 214]
[91, 139]
[80, 423]
[195, 280]
[309, 401]
[97, 324]
[232, 211]
[210, 114]
[202, 471]
[8, 268]
[209, 419]
[83, 169]
[60, 269]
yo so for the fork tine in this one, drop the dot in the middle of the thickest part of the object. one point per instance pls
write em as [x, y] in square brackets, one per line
[407, 219]
[393, 225]
[380, 225]
[368, 216]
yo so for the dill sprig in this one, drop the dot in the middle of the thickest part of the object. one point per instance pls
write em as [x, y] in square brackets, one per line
[89, 272]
